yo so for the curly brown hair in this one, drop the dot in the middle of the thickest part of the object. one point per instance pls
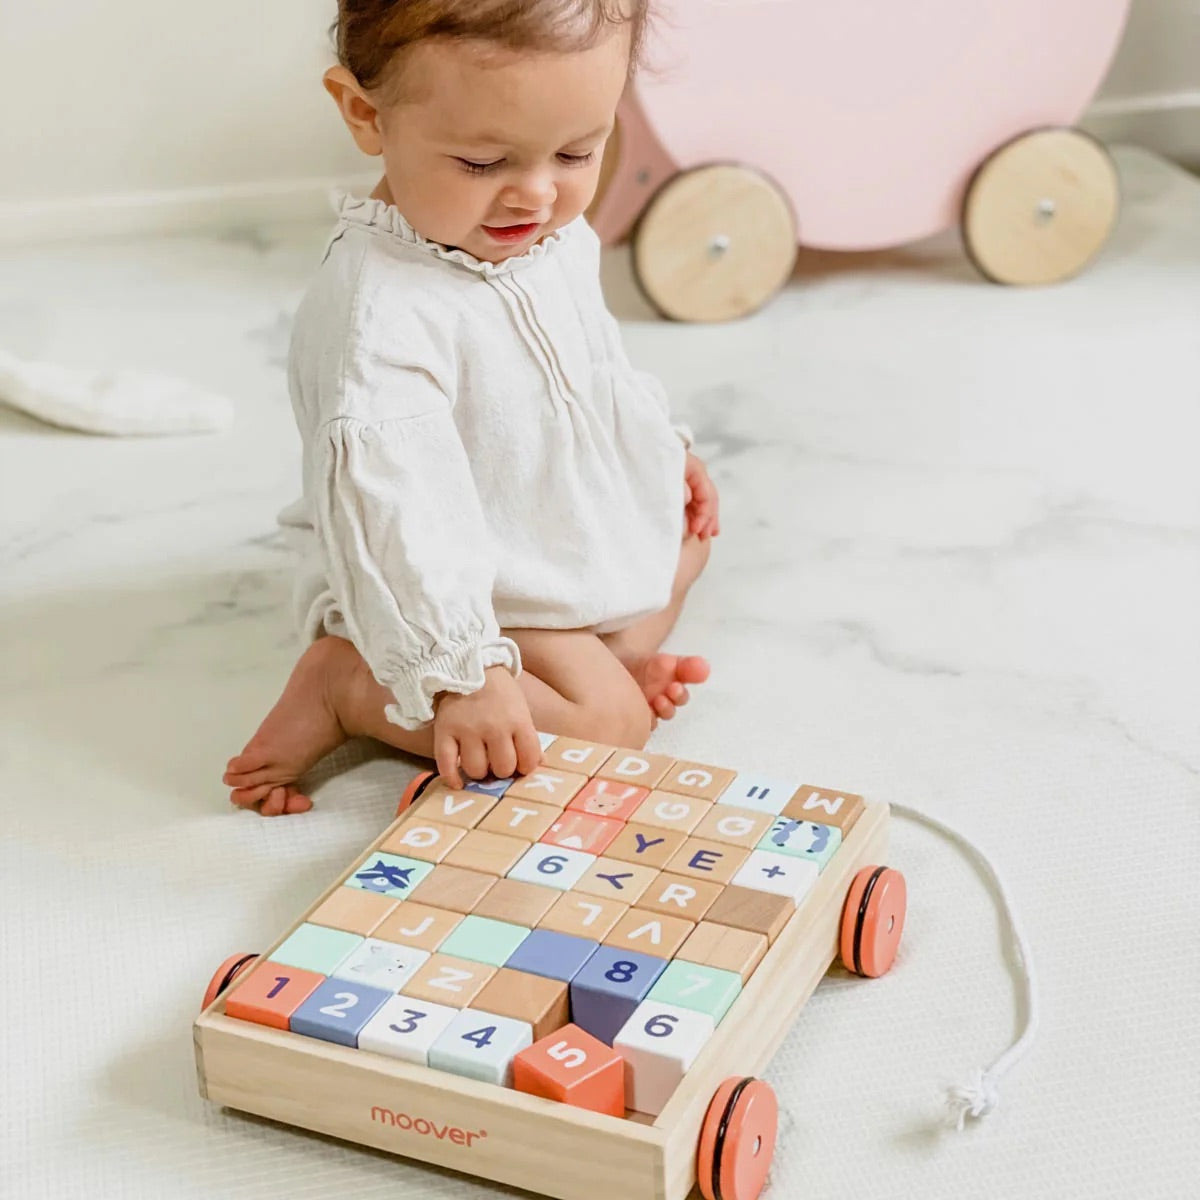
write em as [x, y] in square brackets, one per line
[371, 33]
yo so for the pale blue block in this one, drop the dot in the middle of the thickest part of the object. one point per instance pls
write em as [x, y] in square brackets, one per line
[490, 786]
[388, 874]
[552, 955]
[337, 1011]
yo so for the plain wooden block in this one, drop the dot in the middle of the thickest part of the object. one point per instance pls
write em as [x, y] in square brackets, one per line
[680, 896]
[652, 933]
[353, 910]
[544, 1003]
[581, 831]
[582, 915]
[759, 912]
[574, 1068]
[825, 807]
[451, 981]
[738, 826]
[547, 786]
[584, 758]
[662, 810]
[516, 902]
[725, 948]
[632, 766]
[605, 798]
[424, 839]
[646, 845]
[659, 1042]
[454, 888]
[418, 925]
[520, 818]
[463, 808]
[615, 880]
[697, 779]
[701, 859]
[488, 853]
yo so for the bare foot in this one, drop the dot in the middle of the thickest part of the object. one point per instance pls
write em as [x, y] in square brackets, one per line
[301, 729]
[664, 679]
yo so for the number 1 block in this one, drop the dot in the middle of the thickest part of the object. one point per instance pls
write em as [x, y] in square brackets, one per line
[574, 1068]
[271, 993]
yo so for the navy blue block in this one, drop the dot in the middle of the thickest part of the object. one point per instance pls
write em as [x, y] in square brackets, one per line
[338, 1010]
[553, 955]
[610, 986]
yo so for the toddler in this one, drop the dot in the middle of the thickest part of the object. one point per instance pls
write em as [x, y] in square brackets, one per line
[499, 524]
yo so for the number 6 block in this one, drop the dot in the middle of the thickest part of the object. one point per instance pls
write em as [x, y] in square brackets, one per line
[659, 1043]
[574, 1068]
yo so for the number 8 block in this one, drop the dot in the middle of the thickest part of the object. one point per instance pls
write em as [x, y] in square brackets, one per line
[574, 1068]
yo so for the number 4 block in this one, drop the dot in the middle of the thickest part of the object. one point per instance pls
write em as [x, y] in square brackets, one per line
[574, 1068]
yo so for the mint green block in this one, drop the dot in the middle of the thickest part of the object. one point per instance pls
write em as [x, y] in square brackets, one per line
[315, 948]
[480, 939]
[388, 874]
[702, 989]
[803, 839]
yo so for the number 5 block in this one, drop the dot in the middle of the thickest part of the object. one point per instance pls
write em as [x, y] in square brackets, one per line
[574, 1068]
[659, 1044]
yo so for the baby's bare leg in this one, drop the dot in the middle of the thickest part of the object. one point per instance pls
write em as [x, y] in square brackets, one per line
[572, 682]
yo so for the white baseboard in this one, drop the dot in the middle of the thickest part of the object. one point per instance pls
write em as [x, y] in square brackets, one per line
[1167, 123]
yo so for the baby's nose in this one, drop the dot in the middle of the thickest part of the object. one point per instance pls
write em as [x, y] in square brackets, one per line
[532, 193]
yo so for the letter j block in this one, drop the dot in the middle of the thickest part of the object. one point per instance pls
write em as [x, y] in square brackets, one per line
[574, 1068]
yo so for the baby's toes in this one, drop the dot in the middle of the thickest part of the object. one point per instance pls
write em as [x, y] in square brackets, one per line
[275, 803]
[296, 803]
[677, 694]
[663, 707]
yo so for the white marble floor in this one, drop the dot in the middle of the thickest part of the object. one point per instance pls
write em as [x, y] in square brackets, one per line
[960, 568]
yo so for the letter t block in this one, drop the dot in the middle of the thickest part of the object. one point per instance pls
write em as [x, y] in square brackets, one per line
[574, 1068]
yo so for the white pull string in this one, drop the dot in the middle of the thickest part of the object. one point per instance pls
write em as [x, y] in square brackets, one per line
[981, 1094]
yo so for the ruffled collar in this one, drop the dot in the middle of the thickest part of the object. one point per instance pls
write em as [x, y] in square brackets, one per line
[387, 218]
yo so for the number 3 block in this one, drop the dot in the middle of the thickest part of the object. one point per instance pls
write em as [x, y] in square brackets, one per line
[574, 1068]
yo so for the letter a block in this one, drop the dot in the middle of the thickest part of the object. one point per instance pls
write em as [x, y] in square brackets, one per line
[574, 1068]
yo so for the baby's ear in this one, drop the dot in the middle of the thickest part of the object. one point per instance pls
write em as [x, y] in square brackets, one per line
[359, 113]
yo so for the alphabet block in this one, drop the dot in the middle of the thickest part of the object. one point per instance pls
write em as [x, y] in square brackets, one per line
[758, 793]
[725, 948]
[582, 915]
[584, 758]
[803, 839]
[388, 874]
[581, 831]
[607, 991]
[606, 798]
[544, 1003]
[406, 1028]
[353, 910]
[381, 964]
[552, 866]
[454, 888]
[480, 1045]
[337, 1010]
[632, 766]
[270, 993]
[612, 879]
[694, 986]
[429, 841]
[680, 896]
[463, 808]
[714, 861]
[757, 912]
[487, 853]
[697, 779]
[738, 826]
[480, 939]
[646, 845]
[520, 818]
[652, 933]
[418, 925]
[552, 955]
[811, 803]
[574, 1068]
[663, 810]
[454, 982]
[516, 902]
[547, 786]
[778, 873]
[659, 1042]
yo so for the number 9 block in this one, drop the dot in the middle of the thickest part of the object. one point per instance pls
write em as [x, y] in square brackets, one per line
[574, 1068]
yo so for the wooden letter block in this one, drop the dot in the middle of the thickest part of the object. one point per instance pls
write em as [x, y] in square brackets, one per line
[480, 1045]
[574, 1068]
[659, 1042]
[581, 831]
[462, 808]
[353, 910]
[607, 991]
[552, 866]
[724, 948]
[516, 902]
[803, 839]
[645, 845]
[650, 933]
[703, 989]
[381, 964]
[418, 925]
[604, 798]
[738, 826]
[582, 915]
[454, 888]
[758, 794]
[766, 872]
[388, 874]
[758, 912]
[406, 1028]
[454, 982]
[520, 818]
[632, 766]
[480, 939]
[547, 786]
[697, 779]
[429, 841]
[270, 993]
[811, 803]
[612, 879]
[680, 896]
[544, 1003]
[584, 758]
[716, 861]
[665, 811]
[487, 853]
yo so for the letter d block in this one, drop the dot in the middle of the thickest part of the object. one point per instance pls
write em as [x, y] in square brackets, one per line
[574, 1068]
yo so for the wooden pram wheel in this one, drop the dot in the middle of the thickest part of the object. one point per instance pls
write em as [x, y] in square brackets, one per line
[714, 244]
[1041, 207]
[737, 1140]
[225, 975]
[873, 921]
[416, 786]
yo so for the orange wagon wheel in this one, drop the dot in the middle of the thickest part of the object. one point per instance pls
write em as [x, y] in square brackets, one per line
[737, 1140]
[225, 975]
[873, 920]
[416, 786]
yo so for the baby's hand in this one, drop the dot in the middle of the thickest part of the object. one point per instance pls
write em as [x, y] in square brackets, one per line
[491, 728]
[701, 502]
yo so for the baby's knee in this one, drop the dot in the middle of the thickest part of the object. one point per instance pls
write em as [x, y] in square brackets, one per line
[622, 718]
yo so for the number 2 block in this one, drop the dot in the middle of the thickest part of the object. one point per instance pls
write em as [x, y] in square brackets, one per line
[574, 1068]
[611, 985]
[659, 1043]
[338, 1010]
[480, 1045]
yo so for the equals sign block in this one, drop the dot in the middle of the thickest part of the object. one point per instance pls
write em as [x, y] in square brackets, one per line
[757, 793]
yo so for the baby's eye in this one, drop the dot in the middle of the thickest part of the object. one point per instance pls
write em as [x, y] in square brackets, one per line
[577, 160]
[478, 168]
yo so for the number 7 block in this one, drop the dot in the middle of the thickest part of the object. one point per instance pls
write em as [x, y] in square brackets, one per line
[574, 1068]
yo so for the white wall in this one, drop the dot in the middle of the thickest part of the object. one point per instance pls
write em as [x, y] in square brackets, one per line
[118, 114]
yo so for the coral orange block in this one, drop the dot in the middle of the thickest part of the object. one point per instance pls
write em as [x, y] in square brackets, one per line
[574, 1068]
[271, 993]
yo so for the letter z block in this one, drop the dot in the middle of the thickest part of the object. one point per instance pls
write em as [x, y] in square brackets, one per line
[574, 1068]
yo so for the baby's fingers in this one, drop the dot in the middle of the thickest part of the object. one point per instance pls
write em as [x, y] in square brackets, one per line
[529, 749]
[502, 756]
[446, 752]
[473, 754]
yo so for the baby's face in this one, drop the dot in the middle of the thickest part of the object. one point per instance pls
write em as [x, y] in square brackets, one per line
[492, 150]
